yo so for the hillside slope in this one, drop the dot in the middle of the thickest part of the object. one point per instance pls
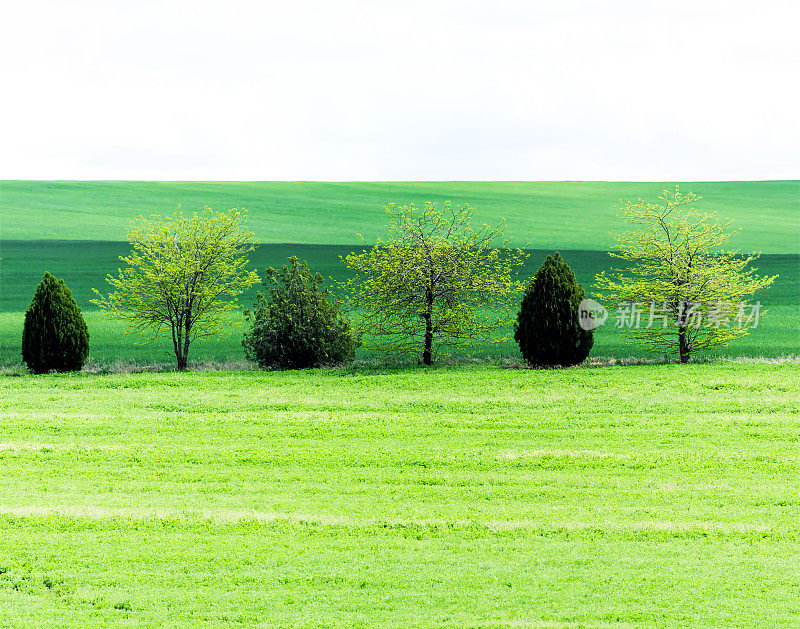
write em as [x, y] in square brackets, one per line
[544, 215]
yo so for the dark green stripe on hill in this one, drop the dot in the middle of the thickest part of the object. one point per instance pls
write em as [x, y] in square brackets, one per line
[84, 264]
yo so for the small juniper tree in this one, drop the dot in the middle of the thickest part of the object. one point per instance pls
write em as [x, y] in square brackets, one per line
[183, 274]
[547, 329]
[678, 270]
[54, 336]
[297, 324]
[434, 283]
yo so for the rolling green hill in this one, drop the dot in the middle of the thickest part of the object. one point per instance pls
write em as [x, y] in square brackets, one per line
[541, 215]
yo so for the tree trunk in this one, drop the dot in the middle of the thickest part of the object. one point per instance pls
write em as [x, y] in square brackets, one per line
[180, 343]
[186, 341]
[683, 346]
[175, 344]
[427, 354]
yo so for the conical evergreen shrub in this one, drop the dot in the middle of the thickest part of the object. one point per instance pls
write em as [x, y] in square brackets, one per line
[55, 336]
[547, 328]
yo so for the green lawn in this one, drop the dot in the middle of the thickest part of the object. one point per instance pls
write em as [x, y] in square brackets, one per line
[462, 496]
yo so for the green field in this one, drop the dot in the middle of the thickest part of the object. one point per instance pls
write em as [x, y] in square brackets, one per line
[656, 496]
[75, 229]
[540, 215]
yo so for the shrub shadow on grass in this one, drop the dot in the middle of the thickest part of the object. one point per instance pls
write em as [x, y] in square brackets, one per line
[374, 366]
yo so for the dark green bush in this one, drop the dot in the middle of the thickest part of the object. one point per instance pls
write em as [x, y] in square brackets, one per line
[297, 324]
[54, 337]
[547, 328]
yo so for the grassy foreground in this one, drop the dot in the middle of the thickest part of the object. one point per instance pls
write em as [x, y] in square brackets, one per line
[456, 496]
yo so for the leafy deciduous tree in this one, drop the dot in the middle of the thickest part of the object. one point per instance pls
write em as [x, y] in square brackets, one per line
[678, 270]
[183, 274]
[434, 283]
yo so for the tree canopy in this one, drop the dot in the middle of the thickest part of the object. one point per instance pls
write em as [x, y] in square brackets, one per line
[54, 335]
[683, 292]
[547, 329]
[183, 275]
[434, 284]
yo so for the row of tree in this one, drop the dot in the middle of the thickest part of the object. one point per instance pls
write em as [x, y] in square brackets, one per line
[298, 323]
[436, 284]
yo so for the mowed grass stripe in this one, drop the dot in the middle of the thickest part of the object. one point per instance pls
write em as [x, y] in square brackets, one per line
[292, 574]
[131, 516]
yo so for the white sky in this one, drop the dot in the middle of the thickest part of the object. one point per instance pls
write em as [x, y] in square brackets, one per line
[406, 90]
